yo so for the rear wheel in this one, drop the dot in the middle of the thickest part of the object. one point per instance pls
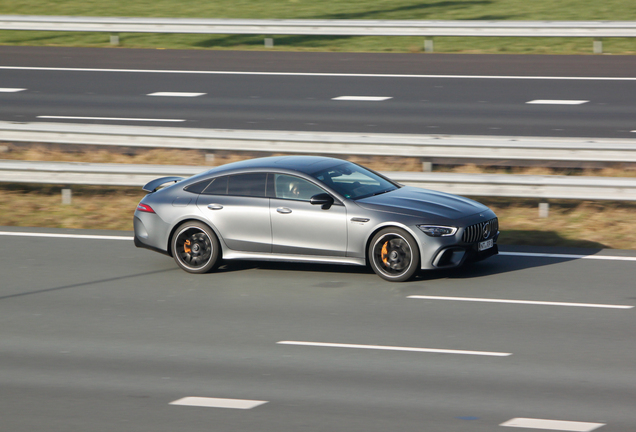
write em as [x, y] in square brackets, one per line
[394, 255]
[195, 247]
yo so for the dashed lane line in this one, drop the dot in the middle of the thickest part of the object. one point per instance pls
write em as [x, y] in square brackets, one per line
[362, 98]
[209, 402]
[556, 102]
[110, 118]
[11, 90]
[175, 94]
[527, 302]
[560, 425]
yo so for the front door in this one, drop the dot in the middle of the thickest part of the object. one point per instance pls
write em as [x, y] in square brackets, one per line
[298, 227]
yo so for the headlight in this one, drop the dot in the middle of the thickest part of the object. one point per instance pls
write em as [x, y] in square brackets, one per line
[437, 231]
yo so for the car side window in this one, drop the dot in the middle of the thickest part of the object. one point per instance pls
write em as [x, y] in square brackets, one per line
[250, 184]
[217, 187]
[294, 188]
[198, 187]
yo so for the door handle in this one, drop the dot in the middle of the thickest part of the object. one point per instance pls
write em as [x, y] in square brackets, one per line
[283, 210]
[215, 206]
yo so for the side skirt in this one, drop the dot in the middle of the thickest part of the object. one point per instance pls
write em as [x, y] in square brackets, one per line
[230, 255]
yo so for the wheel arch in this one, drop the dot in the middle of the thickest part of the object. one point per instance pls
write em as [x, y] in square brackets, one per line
[389, 225]
[191, 219]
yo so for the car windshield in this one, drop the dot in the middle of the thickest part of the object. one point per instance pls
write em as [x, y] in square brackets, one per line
[353, 181]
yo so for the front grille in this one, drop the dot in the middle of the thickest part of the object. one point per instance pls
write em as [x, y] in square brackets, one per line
[476, 232]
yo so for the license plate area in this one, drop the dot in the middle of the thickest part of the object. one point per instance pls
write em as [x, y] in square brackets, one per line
[485, 245]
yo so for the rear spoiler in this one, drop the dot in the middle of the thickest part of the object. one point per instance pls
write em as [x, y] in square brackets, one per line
[157, 183]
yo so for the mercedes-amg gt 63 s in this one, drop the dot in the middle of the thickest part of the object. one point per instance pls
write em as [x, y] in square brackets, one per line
[311, 209]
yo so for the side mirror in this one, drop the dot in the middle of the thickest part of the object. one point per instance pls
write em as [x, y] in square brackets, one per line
[322, 199]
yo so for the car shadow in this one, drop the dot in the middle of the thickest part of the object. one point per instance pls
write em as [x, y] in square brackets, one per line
[520, 256]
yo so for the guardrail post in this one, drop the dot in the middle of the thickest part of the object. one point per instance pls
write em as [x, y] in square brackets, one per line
[269, 42]
[114, 38]
[598, 46]
[427, 166]
[544, 209]
[428, 45]
[209, 158]
[66, 196]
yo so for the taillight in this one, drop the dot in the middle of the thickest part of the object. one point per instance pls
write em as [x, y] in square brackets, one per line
[145, 208]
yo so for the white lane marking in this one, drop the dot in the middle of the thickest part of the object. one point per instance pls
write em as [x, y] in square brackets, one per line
[395, 348]
[362, 75]
[175, 94]
[110, 118]
[11, 90]
[569, 256]
[552, 424]
[362, 98]
[218, 402]
[70, 236]
[528, 302]
[557, 102]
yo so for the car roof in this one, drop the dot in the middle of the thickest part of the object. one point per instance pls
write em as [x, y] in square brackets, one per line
[304, 164]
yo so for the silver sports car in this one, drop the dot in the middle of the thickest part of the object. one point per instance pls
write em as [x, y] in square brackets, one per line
[311, 209]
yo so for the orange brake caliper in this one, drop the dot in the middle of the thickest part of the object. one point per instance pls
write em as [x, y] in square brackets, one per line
[186, 246]
[383, 253]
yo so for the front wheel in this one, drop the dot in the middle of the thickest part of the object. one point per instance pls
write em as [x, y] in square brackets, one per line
[394, 255]
[195, 247]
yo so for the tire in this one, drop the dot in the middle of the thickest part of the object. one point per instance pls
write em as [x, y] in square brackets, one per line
[195, 247]
[394, 255]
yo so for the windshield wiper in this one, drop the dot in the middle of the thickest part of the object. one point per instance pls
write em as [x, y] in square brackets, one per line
[382, 192]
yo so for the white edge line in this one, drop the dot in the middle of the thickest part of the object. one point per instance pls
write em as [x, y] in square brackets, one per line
[70, 236]
[110, 118]
[512, 77]
[569, 256]
[522, 254]
[561, 425]
[394, 348]
[218, 402]
[529, 302]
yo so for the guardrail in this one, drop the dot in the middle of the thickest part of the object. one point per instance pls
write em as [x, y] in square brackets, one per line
[491, 185]
[467, 28]
[426, 147]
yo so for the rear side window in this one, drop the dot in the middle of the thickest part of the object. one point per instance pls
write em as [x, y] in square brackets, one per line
[252, 184]
[217, 187]
[198, 187]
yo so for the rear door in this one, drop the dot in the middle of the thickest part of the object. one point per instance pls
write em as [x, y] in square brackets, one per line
[237, 206]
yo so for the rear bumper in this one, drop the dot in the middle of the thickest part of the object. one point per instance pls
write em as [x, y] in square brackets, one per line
[140, 244]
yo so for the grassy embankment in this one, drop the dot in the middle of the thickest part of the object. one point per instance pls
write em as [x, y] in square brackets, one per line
[590, 10]
[571, 223]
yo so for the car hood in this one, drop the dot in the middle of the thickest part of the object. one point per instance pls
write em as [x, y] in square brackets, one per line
[419, 202]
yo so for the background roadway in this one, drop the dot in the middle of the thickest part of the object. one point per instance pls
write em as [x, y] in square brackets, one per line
[422, 105]
[100, 336]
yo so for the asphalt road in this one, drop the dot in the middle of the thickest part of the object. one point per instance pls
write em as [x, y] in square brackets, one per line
[571, 96]
[100, 336]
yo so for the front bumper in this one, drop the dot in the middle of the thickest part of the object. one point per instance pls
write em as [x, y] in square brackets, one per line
[459, 254]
